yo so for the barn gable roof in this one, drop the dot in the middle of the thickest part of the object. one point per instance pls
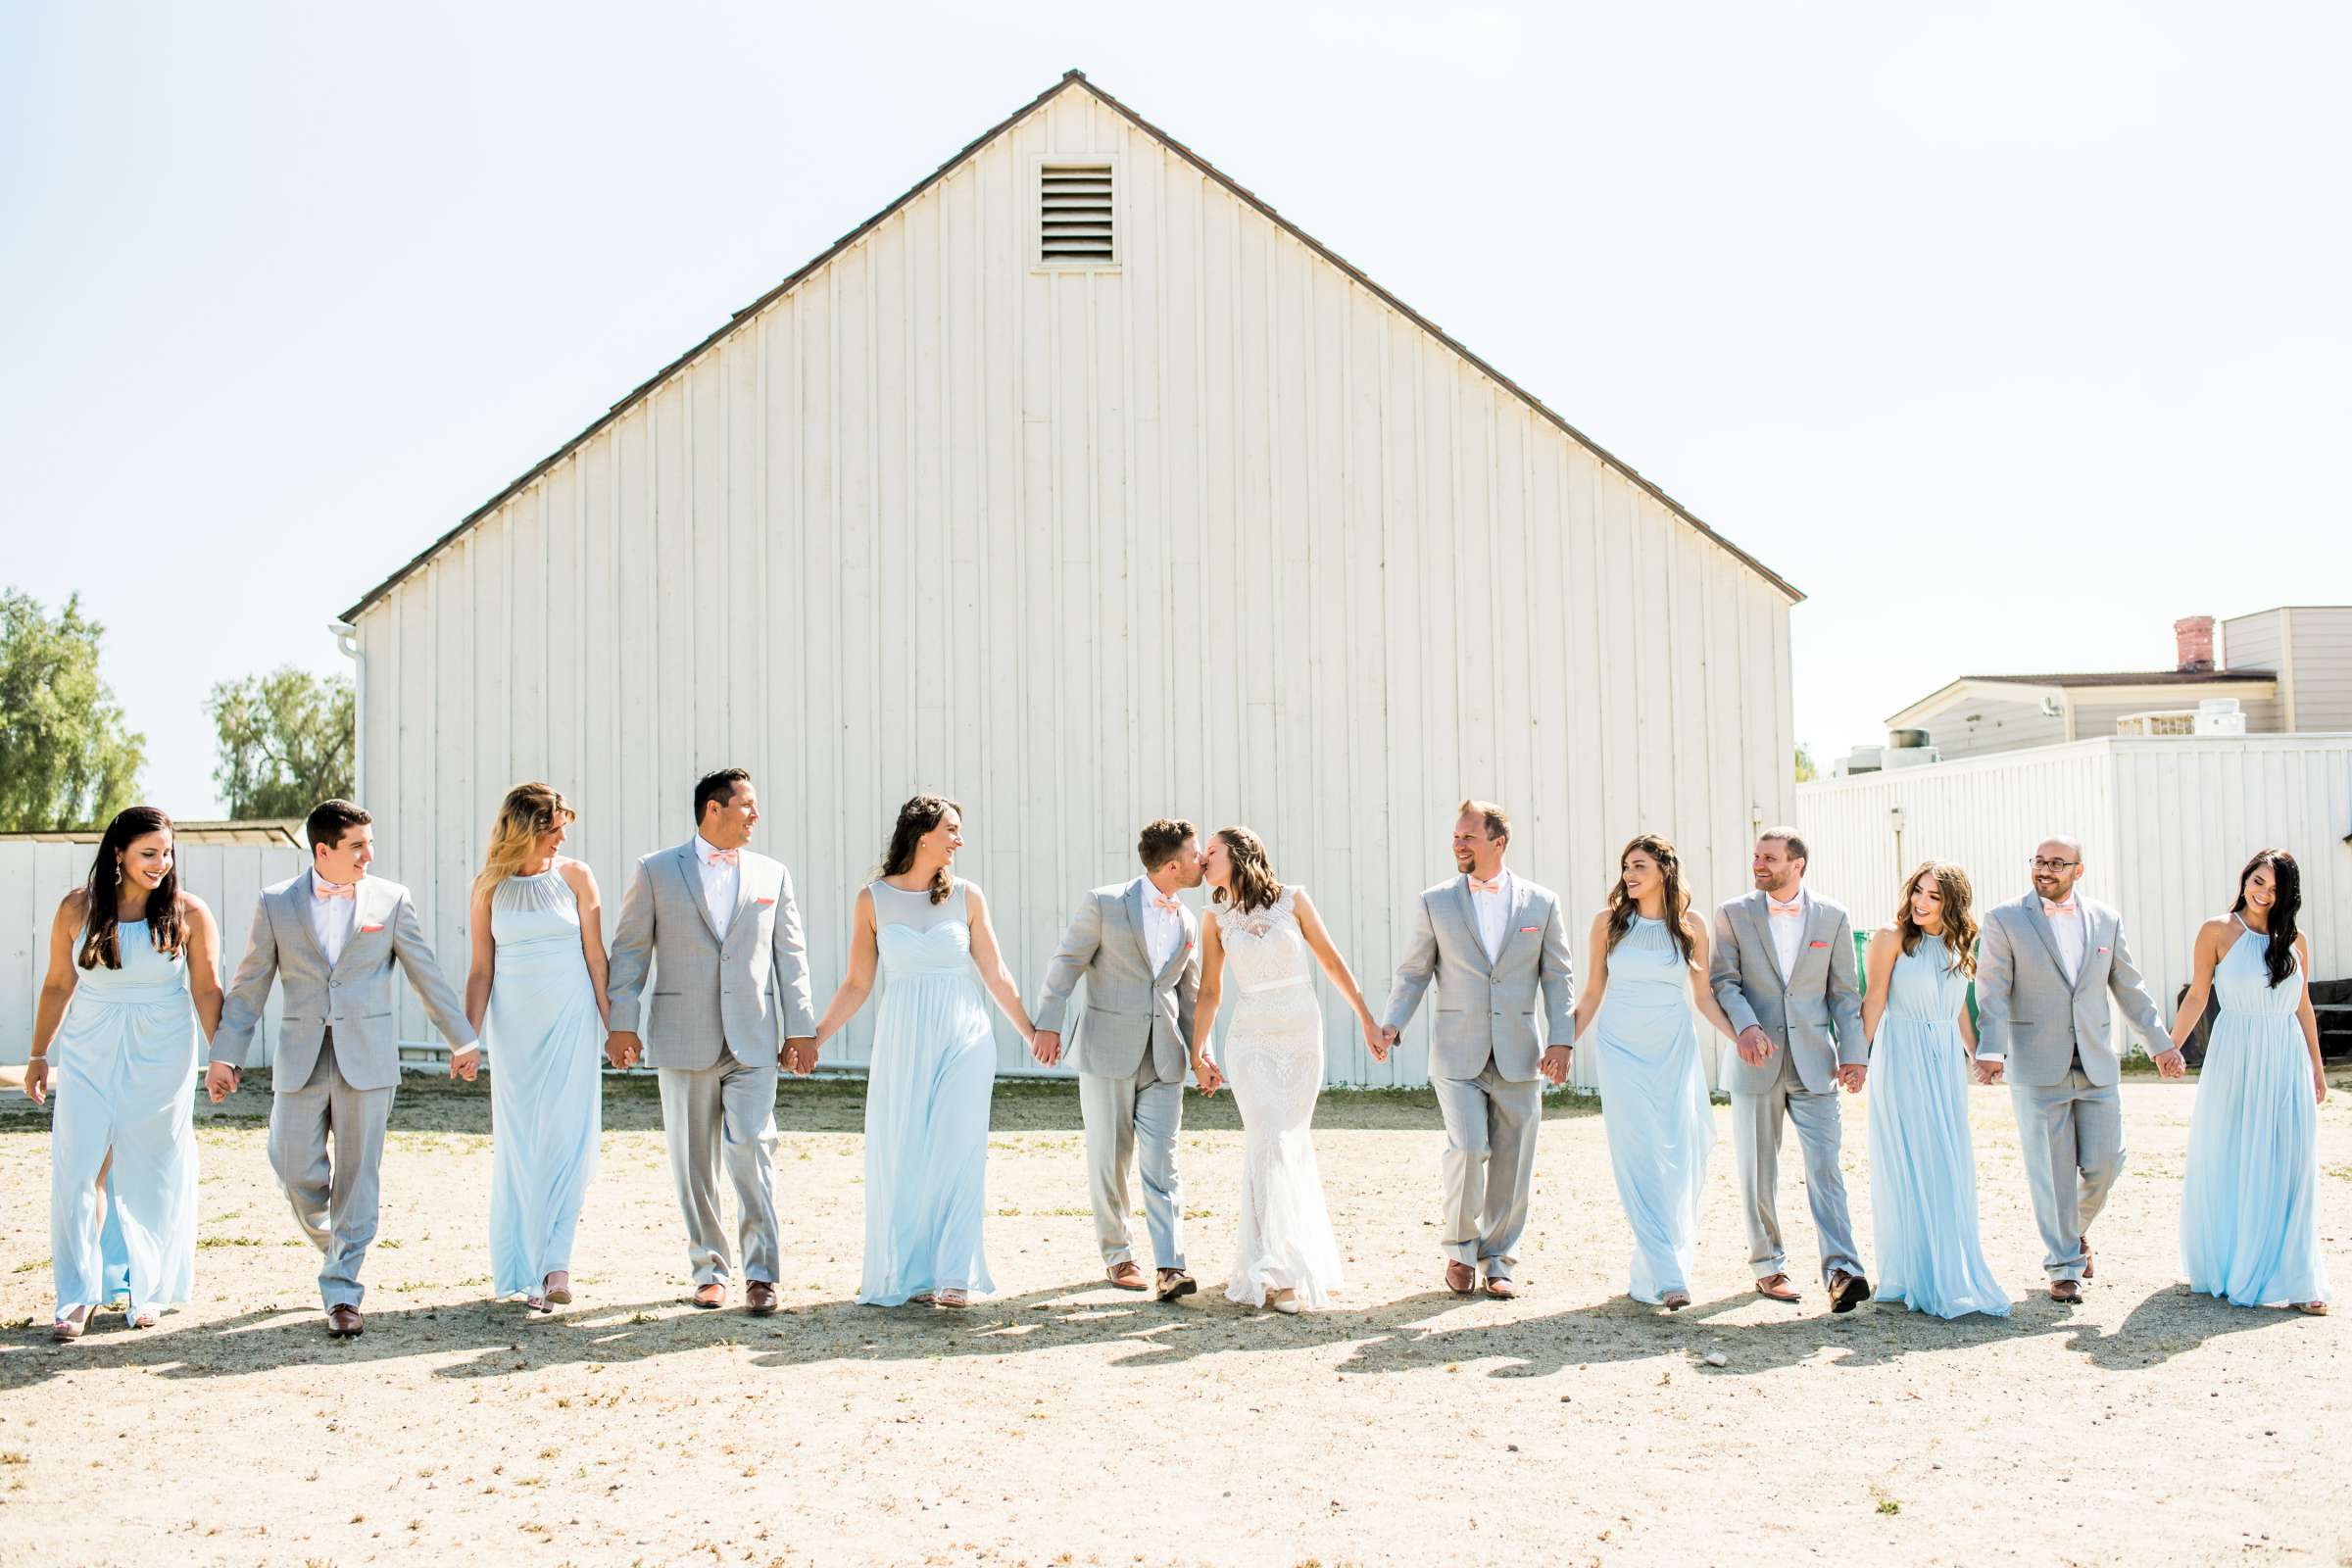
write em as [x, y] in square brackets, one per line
[970, 149]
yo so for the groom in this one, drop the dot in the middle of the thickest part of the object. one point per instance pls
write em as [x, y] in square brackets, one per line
[1489, 939]
[331, 936]
[1783, 970]
[721, 921]
[1137, 946]
[2045, 969]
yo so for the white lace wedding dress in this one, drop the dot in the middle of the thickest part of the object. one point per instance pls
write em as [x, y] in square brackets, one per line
[1274, 1062]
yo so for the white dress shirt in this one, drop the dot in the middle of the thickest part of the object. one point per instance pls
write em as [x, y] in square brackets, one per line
[2068, 929]
[722, 881]
[332, 918]
[1163, 929]
[1788, 932]
[1493, 912]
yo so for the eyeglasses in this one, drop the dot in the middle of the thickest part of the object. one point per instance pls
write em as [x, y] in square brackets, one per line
[2040, 865]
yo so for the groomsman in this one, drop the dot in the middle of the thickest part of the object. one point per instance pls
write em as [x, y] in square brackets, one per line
[1138, 948]
[1490, 938]
[720, 921]
[331, 936]
[2045, 969]
[1783, 970]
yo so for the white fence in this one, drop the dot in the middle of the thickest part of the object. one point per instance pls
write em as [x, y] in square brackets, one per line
[35, 876]
[2166, 824]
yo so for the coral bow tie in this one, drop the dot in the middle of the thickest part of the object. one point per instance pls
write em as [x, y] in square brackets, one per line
[1495, 886]
[1162, 901]
[1790, 910]
[323, 891]
[722, 856]
[2048, 908]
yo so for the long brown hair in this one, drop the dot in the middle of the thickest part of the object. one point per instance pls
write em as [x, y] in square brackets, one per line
[104, 889]
[530, 812]
[2286, 902]
[1250, 879]
[1621, 907]
[918, 818]
[1959, 924]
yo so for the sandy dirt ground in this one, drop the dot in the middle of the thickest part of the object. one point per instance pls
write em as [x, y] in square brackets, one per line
[1066, 1422]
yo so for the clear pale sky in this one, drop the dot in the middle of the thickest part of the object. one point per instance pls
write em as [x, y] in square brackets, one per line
[2009, 333]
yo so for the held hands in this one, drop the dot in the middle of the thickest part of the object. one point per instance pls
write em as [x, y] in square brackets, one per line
[219, 1082]
[36, 1081]
[1045, 1047]
[799, 1056]
[1383, 1044]
[1754, 1045]
[1375, 1039]
[465, 1063]
[1850, 1077]
[1555, 1063]
[1988, 1070]
[1206, 1072]
[2172, 1065]
[623, 1049]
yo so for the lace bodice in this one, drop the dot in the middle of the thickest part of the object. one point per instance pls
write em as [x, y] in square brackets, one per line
[1264, 947]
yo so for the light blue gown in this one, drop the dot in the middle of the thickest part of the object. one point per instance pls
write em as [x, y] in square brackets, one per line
[927, 1097]
[1923, 1162]
[1653, 1100]
[544, 1042]
[2249, 1213]
[124, 1059]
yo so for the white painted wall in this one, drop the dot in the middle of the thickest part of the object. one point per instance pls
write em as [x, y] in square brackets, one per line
[2166, 825]
[35, 877]
[1219, 533]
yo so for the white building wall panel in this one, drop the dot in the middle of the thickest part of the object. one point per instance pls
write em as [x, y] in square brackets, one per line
[2322, 637]
[34, 878]
[1219, 533]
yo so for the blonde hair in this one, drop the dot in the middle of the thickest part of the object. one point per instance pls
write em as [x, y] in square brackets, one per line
[529, 814]
[1959, 925]
[1497, 825]
[1250, 873]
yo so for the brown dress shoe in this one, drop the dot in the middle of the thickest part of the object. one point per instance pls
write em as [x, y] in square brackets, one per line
[343, 1322]
[1126, 1276]
[759, 1299]
[2065, 1291]
[1501, 1288]
[708, 1297]
[1461, 1278]
[1776, 1287]
[1175, 1283]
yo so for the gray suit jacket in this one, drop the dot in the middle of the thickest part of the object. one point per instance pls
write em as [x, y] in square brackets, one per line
[707, 992]
[1129, 1004]
[1814, 1014]
[1486, 1007]
[2026, 1013]
[353, 998]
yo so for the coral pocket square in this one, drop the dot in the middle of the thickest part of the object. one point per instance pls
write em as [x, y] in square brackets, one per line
[1531, 928]
[2103, 950]
[764, 902]
[379, 928]
[1820, 944]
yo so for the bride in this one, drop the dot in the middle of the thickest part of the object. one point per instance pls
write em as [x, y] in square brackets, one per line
[1287, 1259]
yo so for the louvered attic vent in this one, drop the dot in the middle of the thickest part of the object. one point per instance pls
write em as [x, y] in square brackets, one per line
[1074, 206]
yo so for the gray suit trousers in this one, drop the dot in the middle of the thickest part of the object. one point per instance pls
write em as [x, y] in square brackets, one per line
[2071, 1134]
[725, 1113]
[1490, 1125]
[326, 1144]
[1756, 1126]
[1133, 1117]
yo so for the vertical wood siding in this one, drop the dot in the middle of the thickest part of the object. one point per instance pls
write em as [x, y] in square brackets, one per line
[1217, 534]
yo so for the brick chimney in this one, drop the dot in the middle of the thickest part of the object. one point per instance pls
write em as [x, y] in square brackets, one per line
[2193, 639]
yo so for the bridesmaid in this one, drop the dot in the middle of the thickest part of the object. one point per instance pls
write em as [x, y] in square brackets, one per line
[1649, 968]
[1923, 1163]
[536, 995]
[2249, 1216]
[934, 1064]
[132, 992]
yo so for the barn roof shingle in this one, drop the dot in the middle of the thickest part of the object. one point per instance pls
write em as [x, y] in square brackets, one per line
[972, 147]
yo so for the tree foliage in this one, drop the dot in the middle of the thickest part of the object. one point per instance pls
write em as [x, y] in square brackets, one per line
[66, 759]
[285, 742]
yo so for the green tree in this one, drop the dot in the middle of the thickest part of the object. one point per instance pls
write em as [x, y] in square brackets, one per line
[1806, 773]
[66, 760]
[285, 742]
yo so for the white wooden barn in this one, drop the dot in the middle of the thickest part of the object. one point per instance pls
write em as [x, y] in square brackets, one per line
[1082, 486]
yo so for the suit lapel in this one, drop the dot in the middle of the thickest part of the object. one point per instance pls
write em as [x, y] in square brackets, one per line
[1468, 909]
[1130, 905]
[298, 902]
[1759, 916]
[690, 877]
[745, 893]
[362, 915]
[2041, 923]
[2088, 913]
[1176, 959]
[1520, 900]
[1816, 930]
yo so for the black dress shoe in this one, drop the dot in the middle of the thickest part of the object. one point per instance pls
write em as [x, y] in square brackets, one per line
[1847, 1291]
